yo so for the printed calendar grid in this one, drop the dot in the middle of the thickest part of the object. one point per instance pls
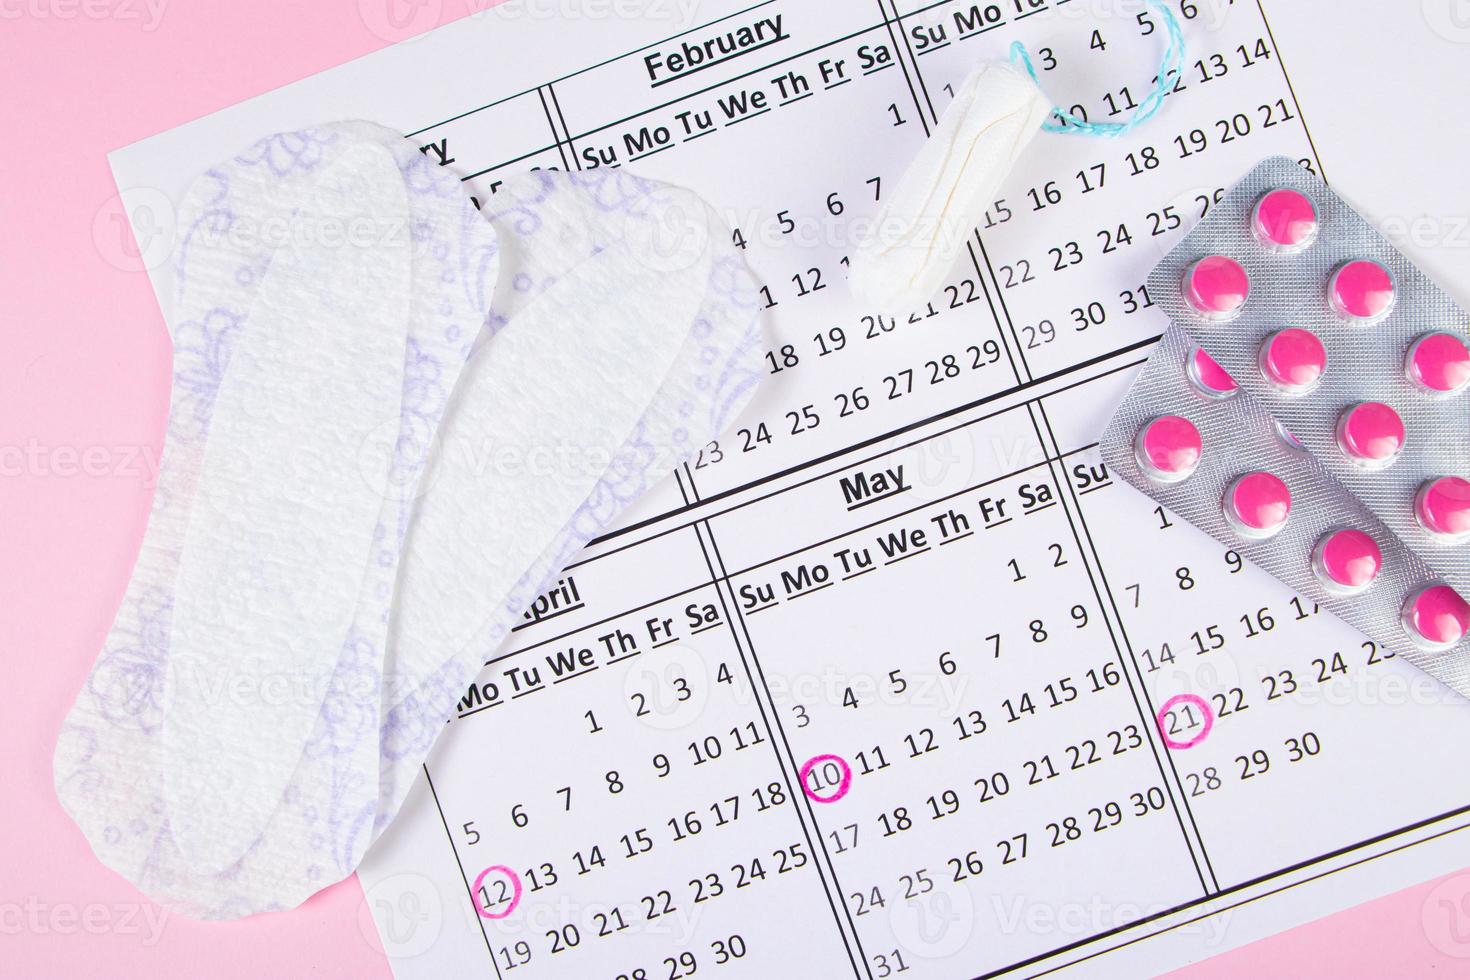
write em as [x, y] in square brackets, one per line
[1209, 900]
[1043, 379]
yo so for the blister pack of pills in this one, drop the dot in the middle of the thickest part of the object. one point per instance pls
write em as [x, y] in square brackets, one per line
[1228, 466]
[1332, 358]
[1348, 344]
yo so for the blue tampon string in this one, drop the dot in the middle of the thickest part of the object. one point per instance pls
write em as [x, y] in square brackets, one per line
[1170, 66]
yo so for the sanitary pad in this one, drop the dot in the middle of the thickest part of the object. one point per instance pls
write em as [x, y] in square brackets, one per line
[393, 421]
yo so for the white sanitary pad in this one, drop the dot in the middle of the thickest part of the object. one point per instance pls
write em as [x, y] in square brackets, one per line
[393, 421]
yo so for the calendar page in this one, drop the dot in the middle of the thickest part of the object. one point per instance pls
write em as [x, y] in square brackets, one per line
[894, 678]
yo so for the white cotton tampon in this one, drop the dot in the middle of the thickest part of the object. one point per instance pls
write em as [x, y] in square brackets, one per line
[922, 226]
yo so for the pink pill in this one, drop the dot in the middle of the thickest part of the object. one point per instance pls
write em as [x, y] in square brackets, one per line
[1216, 287]
[1370, 434]
[1346, 561]
[1285, 221]
[1208, 376]
[1436, 617]
[1256, 505]
[1439, 363]
[1293, 360]
[1442, 507]
[1168, 449]
[1361, 290]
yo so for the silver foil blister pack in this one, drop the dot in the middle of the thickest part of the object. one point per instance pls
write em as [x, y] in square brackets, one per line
[1347, 344]
[1239, 437]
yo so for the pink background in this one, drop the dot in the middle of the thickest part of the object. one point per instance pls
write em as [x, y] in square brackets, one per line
[84, 381]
